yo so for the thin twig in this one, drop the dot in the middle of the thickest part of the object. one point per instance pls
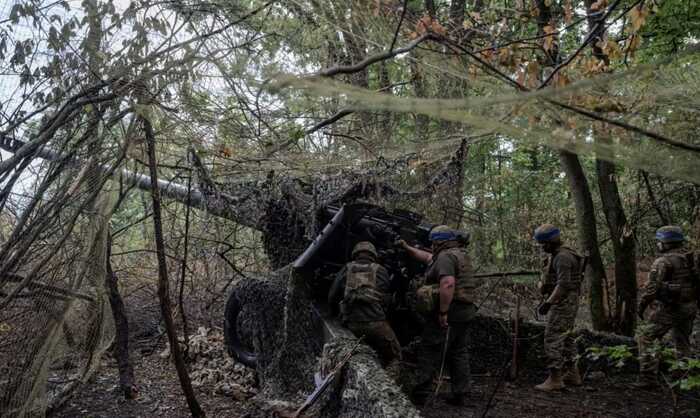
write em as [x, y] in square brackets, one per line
[398, 27]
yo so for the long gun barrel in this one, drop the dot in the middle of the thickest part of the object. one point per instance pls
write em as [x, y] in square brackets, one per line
[178, 192]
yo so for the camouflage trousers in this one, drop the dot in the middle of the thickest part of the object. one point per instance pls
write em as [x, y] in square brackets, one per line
[559, 346]
[430, 351]
[678, 319]
[380, 336]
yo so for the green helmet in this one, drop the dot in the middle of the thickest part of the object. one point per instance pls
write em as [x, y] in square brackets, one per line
[670, 233]
[442, 233]
[547, 233]
[364, 246]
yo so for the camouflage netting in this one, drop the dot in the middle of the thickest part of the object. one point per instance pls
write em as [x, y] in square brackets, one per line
[266, 166]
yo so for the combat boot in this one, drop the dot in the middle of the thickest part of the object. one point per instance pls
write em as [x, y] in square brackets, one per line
[553, 382]
[572, 376]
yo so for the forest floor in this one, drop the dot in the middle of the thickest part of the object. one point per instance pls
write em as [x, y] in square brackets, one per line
[160, 396]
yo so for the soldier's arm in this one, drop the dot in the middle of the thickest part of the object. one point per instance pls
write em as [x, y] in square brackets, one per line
[567, 279]
[335, 294]
[384, 286]
[658, 271]
[447, 291]
[417, 254]
[447, 271]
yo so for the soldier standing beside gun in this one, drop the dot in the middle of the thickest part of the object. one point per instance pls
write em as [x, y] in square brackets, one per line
[362, 288]
[672, 290]
[448, 301]
[561, 286]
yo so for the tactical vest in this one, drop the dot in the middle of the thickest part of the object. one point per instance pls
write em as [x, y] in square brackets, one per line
[550, 276]
[465, 284]
[681, 278]
[361, 285]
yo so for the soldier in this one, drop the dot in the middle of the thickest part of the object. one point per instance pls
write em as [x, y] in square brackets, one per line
[363, 290]
[672, 291]
[561, 286]
[448, 302]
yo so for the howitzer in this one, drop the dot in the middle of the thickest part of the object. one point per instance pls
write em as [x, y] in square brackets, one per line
[338, 228]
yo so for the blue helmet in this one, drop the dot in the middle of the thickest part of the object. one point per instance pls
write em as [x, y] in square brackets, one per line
[670, 233]
[442, 233]
[547, 233]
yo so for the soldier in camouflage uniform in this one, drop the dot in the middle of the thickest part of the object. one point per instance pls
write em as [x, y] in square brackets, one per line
[450, 287]
[672, 291]
[561, 286]
[362, 289]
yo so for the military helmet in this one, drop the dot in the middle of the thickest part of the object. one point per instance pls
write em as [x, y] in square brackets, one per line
[442, 233]
[670, 233]
[364, 246]
[547, 233]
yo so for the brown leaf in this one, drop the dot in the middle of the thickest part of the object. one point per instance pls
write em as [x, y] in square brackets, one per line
[638, 16]
[568, 12]
[599, 5]
[438, 28]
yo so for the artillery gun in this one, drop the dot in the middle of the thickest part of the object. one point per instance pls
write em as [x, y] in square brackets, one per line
[281, 325]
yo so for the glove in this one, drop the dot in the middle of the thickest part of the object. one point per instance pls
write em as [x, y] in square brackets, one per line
[544, 308]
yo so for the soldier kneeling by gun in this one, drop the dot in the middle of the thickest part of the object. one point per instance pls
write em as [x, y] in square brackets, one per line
[673, 290]
[363, 289]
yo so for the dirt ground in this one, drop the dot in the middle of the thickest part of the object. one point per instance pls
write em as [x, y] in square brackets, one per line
[160, 396]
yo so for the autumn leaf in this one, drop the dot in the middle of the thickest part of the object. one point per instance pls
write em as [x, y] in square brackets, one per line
[637, 17]
[548, 43]
[599, 5]
[521, 77]
[560, 80]
[438, 28]
[533, 74]
[568, 12]
[612, 49]
[633, 43]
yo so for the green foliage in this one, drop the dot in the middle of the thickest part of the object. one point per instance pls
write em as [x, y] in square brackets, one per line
[689, 368]
[617, 354]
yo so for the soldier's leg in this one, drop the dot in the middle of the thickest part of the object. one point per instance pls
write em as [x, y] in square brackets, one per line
[660, 322]
[379, 336]
[570, 372]
[429, 355]
[458, 360]
[558, 329]
[683, 328]
[382, 338]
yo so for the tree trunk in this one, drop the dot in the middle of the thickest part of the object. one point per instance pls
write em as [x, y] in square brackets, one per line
[622, 237]
[588, 235]
[121, 324]
[621, 233]
[163, 284]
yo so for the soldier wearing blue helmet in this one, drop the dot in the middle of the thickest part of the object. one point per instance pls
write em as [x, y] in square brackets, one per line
[560, 285]
[672, 292]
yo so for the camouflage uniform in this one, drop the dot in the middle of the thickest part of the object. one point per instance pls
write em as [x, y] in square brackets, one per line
[449, 261]
[563, 269]
[673, 310]
[363, 305]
